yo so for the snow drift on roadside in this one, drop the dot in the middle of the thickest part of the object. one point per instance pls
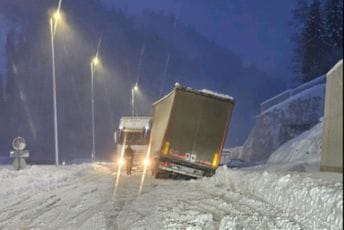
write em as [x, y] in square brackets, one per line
[237, 199]
[301, 151]
[232, 199]
[36, 178]
[315, 203]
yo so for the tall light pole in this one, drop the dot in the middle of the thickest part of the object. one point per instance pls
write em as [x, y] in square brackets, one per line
[53, 25]
[133, 90]
[93, 64]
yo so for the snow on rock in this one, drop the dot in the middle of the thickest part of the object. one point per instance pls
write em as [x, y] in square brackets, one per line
[284, 121]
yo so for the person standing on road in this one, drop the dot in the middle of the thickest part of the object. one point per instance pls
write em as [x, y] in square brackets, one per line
[129, 155]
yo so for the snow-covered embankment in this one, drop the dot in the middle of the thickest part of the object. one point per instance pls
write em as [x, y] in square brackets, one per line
[313, 202]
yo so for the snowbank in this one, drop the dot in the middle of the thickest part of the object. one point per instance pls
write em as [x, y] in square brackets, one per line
[303, 148]
[315, 203]
[238, 199]
[37, 178]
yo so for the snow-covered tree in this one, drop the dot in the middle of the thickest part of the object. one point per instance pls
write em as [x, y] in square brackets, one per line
[319, 37]
[313, 44]
[333, 13]
[299, 15]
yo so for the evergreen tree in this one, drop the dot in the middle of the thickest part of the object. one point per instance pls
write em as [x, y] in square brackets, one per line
[311, 50]
[333, 14]
[300, 14]
[313, 44]
[319, 41]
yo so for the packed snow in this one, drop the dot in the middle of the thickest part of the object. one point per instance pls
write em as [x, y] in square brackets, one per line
[81, 197]
[207, 91]
[304, 149]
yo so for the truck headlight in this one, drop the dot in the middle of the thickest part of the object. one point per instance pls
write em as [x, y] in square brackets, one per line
[121, 161]
[146, 162]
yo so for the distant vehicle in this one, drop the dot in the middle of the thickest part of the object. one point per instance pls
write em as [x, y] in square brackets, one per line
[189, 131]
[134, 131]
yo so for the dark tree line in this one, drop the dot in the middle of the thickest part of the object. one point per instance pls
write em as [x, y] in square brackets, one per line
[319, 37]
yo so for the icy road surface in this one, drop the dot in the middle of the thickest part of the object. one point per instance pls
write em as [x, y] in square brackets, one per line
[81, 197]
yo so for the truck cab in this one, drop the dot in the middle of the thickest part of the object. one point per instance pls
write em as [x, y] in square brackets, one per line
[134, 131]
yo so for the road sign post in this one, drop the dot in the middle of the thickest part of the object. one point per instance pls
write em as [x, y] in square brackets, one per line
[19, 153]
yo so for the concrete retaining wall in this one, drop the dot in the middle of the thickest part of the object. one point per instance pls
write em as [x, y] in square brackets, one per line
[332, 147]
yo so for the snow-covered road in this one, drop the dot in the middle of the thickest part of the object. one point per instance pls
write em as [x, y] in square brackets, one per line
[70, 197]
[82, 197]
[77, 200]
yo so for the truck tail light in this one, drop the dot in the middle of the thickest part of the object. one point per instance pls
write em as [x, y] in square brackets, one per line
[166, 147]
[216, 160]
[165, 164]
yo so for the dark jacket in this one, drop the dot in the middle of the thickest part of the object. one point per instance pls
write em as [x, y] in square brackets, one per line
[129, 152]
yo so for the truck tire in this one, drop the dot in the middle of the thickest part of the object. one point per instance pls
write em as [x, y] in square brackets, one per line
[156, 175]
[160, 174]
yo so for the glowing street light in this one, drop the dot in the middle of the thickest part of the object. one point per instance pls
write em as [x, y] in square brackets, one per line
[133, 90]
[53, 25]
[57, 15]
[93, 64]
[95, 61]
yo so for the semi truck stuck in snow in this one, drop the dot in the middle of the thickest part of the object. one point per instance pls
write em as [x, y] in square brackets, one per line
[189, 131]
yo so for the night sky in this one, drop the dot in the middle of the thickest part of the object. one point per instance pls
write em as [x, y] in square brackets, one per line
[259, 32]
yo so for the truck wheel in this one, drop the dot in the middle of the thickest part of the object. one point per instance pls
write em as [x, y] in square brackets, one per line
[157, 175]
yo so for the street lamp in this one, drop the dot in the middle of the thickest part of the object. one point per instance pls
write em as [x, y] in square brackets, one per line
[53, 25]
[94, 62]
[133, 90]
[57, 15]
